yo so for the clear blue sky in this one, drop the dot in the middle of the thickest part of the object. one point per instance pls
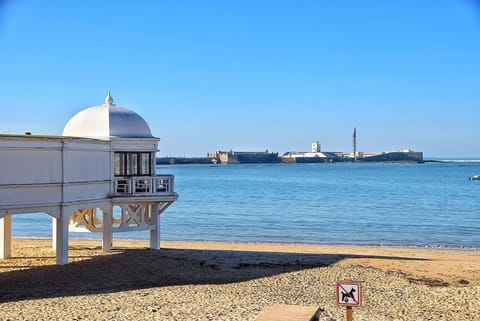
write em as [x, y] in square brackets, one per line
[251, 74]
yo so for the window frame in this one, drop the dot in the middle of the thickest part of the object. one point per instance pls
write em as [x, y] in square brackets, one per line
[129, 164]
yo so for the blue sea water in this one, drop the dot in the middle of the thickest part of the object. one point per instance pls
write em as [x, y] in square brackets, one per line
[431, 204]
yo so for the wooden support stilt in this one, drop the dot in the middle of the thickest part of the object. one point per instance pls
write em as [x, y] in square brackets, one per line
[5, 237]
[107, 237]
[54, 234]
[155, 232]
[61, 240]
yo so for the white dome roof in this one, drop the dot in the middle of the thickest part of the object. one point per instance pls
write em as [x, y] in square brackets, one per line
[107, 121]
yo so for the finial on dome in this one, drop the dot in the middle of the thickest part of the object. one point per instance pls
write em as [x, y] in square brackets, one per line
[109, 99]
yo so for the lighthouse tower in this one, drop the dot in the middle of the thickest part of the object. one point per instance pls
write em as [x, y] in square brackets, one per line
[354, 144]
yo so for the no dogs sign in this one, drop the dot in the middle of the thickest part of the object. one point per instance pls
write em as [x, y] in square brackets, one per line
[349, 293]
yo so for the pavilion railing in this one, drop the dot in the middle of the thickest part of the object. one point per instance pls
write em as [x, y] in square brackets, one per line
[143, 185]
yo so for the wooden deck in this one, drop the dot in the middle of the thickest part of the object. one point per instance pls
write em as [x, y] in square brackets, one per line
[284, 312]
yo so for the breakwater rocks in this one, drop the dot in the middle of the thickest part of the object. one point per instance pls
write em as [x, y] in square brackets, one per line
[183, 160]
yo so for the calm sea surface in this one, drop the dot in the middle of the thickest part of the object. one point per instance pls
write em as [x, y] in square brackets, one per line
[432, 204]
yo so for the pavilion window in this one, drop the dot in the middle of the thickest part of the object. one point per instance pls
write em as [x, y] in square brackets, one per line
[132, 164]
[119, 164]
[145, 164]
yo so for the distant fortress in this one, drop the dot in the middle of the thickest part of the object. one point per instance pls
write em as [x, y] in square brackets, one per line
[314, 156]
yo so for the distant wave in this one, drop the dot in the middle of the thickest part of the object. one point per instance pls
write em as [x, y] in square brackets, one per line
[458, 160]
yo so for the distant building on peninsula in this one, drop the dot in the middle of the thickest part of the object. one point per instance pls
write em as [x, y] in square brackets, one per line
[314, 156]
[316, 147]
[99, 176]
[318, 156]
[406, 155]
[234, 157]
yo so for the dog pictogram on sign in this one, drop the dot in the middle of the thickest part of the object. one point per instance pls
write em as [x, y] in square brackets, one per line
[349, 293]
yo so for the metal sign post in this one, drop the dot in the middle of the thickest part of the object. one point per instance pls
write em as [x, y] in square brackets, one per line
[349, 295]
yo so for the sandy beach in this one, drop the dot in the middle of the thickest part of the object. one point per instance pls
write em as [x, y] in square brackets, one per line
[230, 281]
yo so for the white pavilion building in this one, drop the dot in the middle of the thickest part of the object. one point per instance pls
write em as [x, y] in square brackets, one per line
[99, 176]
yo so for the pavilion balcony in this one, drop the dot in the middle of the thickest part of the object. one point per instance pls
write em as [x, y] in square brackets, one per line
[143, 186]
